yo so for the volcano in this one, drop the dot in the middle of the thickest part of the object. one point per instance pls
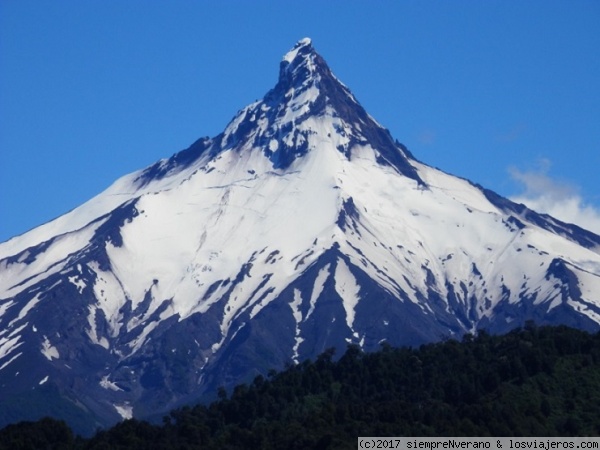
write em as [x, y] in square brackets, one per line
[303, 226]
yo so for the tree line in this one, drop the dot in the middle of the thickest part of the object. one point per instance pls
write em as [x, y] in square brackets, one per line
[533, 381]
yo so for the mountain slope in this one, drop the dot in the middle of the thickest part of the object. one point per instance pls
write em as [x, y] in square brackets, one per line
[302, 226]
[535, 381]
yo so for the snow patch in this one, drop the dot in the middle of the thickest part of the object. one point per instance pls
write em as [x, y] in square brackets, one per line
[43, 380]
[295, 306]
[17, 277]
[9, 344]
[137, 343]
[78, 282]
[92, 331]
[48, 350]
[9, 361]
[109, 292]
[125, 410]
[4, 306]
[107, 384]
[318, 288]
[348, 289]
[28, 307]
[291, 55]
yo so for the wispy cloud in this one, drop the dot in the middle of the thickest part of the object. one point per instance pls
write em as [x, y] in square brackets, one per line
[426, 137]
[512, 134]
[558, 198]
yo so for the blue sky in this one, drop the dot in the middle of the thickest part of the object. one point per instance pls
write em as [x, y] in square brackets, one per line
[505, 93]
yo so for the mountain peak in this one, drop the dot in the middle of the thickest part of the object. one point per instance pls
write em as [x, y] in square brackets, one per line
[302, 47]
[282, 124]
[301, 65]
[309, 109]
[302, 226]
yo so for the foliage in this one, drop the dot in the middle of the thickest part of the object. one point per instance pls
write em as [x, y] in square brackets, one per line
[531, 382]
[46, 433]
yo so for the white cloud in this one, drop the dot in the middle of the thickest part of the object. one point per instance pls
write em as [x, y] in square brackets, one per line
[557, 198]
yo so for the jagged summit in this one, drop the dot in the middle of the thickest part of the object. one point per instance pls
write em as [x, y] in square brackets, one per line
[282, 123]
[302, 68]
[302, 57]
[304, 45]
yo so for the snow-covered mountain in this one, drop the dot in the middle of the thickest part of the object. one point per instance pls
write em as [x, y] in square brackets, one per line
[303, 226]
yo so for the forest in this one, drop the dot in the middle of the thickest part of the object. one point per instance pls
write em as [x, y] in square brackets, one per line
[533, 381]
